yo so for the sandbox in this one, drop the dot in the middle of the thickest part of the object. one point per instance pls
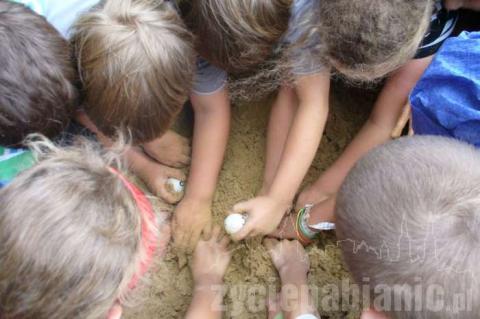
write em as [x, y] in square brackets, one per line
[251, 275]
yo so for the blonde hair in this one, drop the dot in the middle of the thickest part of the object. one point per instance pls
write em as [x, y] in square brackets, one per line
[408, 219]
[70, 235]
[136, 61]
[367, 39]
[238, 35]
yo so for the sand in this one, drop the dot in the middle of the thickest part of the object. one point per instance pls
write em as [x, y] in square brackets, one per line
[251, 275]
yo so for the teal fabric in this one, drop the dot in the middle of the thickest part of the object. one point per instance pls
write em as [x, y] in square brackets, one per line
[62, 14]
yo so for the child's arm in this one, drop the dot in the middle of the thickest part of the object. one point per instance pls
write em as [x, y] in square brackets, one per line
[376, 131]
[209, 265]
[212, 126]
[292, 264]
[266, 212]
[152, 173]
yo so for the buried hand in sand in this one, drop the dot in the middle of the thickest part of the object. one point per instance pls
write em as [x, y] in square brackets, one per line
[292, 264]
[209, 265]
[190, 220]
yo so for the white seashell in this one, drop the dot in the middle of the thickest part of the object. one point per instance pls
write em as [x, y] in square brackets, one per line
[234, 223]
[176, 185]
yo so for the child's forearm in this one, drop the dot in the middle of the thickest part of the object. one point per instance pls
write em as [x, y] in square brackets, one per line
[135, 160]
[296, 297]
[382, 121]
[370, 136]
[304, 136]
[211, 131]
[206, 303]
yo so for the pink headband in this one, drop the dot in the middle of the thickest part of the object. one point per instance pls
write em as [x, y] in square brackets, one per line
[149, 235]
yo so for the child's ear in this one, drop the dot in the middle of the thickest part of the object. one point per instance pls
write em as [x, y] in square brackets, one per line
[373, 314]
[115, 312]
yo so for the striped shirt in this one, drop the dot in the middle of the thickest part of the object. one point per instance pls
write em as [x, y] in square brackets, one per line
[441, 28]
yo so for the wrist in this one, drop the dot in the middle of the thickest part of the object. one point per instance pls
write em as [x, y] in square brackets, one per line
[307, 232]
[293, 277]
[202, 199]
[207, 281]
[281, 199]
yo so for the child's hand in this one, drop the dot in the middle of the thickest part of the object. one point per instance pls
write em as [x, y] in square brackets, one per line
[264, 215]
[155, 175]
[289, 258]
[190, 219]
[171, 149]
[211, 259]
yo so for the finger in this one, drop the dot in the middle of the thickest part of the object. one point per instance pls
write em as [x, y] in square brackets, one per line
[179, 239]
[185, 160]
[168, 196]
[194, 238]
[270, 243]
[207, 231]
[215, 236]
[186, 150]
[176, 164]
[241, 207]
[224, 242]
[177, 174]
[188, 142]
[244, 232]
[276, 234]
[183, 140]
[254, 233]
[186, 241]
[180, 236]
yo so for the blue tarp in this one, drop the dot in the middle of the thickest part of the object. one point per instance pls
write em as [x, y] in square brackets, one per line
[446, 100]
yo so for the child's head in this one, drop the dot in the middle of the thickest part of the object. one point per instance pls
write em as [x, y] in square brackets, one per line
[136, 61]
[37, 92]
[367, 39]
[75, 236]
[238, 35]
[408, 220]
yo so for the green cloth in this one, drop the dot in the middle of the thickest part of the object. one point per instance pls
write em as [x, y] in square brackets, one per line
[13, 162]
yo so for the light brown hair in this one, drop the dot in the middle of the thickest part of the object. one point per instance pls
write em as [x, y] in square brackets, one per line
[367, 39]
[238, 35]
[136, 61]
[37, 77]
[408, 219]
[70, 236]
